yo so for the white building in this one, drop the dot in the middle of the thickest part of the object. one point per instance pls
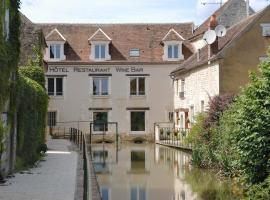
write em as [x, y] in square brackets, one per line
[113, 73]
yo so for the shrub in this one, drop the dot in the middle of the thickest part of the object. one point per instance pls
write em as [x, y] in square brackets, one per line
[35, 73]
[251, 134]
[259, 191]
[32, 110]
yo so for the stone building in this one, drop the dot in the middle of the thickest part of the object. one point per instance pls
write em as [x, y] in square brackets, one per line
[222, 68]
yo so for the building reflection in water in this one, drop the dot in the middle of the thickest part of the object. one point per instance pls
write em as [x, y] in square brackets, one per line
[141, 172]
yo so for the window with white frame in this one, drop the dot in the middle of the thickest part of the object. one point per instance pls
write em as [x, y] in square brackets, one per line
[100, 51]
[134, 52]
[55, 51]
[137, 86]
[51, 118]
[55, 86]
[137, 193]
[100, 86]
[173, 51]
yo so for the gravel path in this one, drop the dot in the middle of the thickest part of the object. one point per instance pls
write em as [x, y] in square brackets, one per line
[53, 179]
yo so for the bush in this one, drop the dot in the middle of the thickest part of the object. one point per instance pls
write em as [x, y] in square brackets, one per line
[35, 73]
[32, 110]
[251, 133]
[259, 191]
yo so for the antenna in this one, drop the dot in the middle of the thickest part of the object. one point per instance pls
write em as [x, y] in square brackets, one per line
[210, 36]
[213, 3]
[220, 31]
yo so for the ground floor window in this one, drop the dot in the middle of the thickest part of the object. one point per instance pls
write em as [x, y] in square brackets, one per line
[137, 121]
[55, 86]
[100, 120]
[137, 159]
[137, 193]
[105, 193]
[51, 118]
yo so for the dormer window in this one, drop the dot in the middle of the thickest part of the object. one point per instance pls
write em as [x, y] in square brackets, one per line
[265, 29]
[99, 42]
[100, 51]
[55, 51]
[134, 52]
[173, 42]
[173, 51]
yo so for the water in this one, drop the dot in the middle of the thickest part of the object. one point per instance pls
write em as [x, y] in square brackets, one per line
[153, 172]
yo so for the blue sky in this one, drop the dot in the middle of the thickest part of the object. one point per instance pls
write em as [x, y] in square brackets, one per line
[121, 11]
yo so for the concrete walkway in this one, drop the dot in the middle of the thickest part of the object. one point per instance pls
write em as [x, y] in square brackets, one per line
[53, 179]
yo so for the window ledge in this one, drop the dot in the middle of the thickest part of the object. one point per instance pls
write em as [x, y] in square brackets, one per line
[137, 96]
[56, 97]
[134, 133]
[100, 96]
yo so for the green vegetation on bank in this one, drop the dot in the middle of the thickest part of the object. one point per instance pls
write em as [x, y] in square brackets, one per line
[238, 140]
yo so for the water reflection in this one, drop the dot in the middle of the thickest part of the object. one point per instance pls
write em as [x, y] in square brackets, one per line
[150, 172]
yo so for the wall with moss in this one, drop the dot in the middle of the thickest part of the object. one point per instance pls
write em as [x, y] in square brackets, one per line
[9, 56]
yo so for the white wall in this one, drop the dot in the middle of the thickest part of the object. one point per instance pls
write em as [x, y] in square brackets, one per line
[200, 84]
[77, 99]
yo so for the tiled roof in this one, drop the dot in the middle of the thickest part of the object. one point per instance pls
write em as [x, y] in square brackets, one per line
[233, 34]
[146, 37]
[55, 35]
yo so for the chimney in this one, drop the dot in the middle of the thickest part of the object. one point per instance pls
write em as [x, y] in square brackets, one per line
[213, 48]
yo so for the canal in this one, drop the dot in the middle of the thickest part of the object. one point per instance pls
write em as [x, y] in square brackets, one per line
[153, 172]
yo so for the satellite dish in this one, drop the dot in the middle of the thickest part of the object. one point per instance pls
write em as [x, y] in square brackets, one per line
[220, 31]
[210, 36]
[199, 44]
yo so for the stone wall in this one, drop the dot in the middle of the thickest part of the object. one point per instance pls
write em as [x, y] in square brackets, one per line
[31, 36]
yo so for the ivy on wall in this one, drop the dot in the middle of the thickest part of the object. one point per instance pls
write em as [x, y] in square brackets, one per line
[32, 112]
[9, 56]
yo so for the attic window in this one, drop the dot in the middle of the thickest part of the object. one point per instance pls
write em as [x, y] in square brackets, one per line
[134, 53]
[265, 29]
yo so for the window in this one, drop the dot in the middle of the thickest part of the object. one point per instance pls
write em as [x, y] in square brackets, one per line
[173, 51]
[137, 160]
[183, 85]
[55, 51]
[51, 119]
[137, 121]
[55, 86]
[100, 121]
[202, 106]
[265, 29]
[105, 193]
[181, 121]
[100, 51]
[137, 86]
[134, 53]
[137, 193]
[191, 110]
[171, 116]
[100, 86]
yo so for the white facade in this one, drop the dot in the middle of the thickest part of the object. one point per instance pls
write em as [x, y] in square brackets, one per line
[78, 102]
[193, 97]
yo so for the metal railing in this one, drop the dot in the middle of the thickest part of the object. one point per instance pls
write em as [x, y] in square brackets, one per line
[172, 136]
[79, 138]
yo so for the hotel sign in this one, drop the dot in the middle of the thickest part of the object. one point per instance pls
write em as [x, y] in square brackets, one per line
[94, 69]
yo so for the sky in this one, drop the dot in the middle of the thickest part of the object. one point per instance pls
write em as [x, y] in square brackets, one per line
[122, 11]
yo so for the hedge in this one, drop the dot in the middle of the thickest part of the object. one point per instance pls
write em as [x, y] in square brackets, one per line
[32, 112]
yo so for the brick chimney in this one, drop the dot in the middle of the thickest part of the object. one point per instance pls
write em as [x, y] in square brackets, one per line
[213, 48]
